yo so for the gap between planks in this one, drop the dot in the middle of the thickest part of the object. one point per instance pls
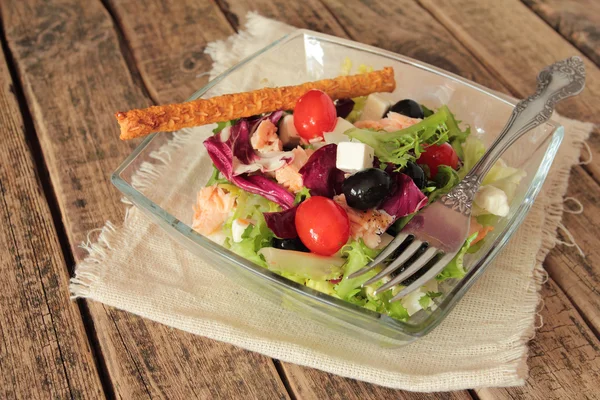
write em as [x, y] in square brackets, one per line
[50, 197]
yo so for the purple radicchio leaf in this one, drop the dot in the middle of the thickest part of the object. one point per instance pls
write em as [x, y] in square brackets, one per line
[282, 223]
[406, 198]
[320, 174]
[246, 158]
[222, 157]
[239, 141]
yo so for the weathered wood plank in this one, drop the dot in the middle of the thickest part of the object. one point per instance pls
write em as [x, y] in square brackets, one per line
[308, 14]
[577, 20]
[564, 357]
[44, 349]
[523, 42]
[74, 77]
[169, 51]
[400, 29]
[580, 277]
[515, 44]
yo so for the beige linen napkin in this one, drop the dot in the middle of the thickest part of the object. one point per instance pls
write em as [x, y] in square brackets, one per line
[139, 268]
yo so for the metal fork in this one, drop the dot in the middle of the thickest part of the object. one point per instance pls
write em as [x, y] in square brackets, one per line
[439, 230]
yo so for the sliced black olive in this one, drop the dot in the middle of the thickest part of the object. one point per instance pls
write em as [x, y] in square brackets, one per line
[290, 244]
[416, 173]
[366, 189]
[408, 107]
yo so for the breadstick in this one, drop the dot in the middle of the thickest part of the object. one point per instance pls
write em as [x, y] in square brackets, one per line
[172, 117]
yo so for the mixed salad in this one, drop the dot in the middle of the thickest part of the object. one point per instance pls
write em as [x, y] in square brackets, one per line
[316, 192]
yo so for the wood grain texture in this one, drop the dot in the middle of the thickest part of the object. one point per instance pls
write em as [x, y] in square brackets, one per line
[74, 77]
[146, 58]
[412, 31]
[169, 51]
[307, 14]
[577, 20]
[44, 349]
[515, 44]
[579, 277]
[564, 357]
[405, 28]
[525, 43]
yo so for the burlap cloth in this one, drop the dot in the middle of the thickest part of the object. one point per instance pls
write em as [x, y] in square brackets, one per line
[137, 267]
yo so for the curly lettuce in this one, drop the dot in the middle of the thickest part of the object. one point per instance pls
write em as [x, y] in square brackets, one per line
[407, 144]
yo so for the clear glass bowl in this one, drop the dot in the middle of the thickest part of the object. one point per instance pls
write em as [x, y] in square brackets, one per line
[176, 166]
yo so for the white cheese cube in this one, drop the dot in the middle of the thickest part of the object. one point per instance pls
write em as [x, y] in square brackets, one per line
[337, 134]
[238, 227]
[287, 132]
[491, 200]
[353, 157]
[375, 108]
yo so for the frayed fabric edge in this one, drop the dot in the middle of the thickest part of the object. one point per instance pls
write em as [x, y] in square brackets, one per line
[577, 135]
[90, 270]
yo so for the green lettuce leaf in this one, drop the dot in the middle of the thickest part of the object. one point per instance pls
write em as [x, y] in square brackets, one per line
[257, 235]
[445, 179]
[406, 145]
[302, 195]
[456, 268]
[472, 149]
[359, 256]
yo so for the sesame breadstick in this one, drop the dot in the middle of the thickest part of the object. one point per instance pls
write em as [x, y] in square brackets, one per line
[172, 117]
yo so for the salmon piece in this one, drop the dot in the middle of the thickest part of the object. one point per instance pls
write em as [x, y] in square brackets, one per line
[477, 227]
[366, 225]
[288, 176]
[393, 122]
[212, 208]
[265, 139]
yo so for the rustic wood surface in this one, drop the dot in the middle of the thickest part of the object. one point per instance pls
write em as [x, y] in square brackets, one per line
[44, 348]
[578, 21]
[75, 75]
[74, 63]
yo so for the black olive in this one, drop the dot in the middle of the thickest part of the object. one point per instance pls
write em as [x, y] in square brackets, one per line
[343, 107]
[290, 244]
[408, 107]
[416, 173]
[366, 189]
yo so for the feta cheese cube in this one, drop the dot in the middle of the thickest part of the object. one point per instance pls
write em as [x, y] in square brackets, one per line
[375, 108]
[238, 227]
[287, 132]
[337, 134]
[490, 199]
[353, 157]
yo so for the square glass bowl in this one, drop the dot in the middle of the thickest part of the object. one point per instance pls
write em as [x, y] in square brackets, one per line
[163, 175]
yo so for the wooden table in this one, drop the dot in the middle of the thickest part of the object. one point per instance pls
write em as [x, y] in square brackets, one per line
[67, 65]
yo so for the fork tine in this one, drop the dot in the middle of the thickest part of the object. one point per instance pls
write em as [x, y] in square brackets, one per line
[389, 249]
[430, 274]
[414, 267]
[394, 265]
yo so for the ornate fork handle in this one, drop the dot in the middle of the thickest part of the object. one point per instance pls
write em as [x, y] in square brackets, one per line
[554, 83]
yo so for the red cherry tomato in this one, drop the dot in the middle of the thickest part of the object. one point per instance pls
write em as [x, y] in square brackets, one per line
[323, 226]
[314, 114]
[436, 155]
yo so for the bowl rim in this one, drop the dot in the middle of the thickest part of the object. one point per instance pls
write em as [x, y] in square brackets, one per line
[451, 299]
